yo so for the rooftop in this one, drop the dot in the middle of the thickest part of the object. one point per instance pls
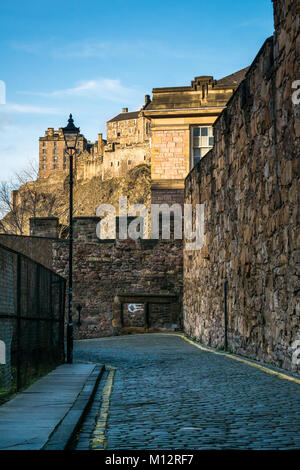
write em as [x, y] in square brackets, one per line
[125, 116]
[203, 92]
[233, 80]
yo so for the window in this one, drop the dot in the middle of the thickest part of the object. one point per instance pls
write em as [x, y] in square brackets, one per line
[44, 167]
[44, 151]
[118, 163]
[55, 159]
[44, 159]
[44, 144]
[129, 162]
[54, 167]
[111, 163]
[148, 127]
[202, 142]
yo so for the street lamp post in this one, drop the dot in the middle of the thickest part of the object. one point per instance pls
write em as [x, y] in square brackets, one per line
[70, 135]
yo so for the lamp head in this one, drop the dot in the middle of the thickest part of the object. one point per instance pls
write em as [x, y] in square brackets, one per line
[71, 134]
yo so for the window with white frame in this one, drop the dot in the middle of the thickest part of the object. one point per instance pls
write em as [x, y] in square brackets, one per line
[202, 142]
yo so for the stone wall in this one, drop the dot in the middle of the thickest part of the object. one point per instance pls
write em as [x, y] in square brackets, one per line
[170, 153]
[122, 158]
[106, 269]
[37, 248]
[128, 143]
[128, 128]
[167, 196]
[103, 269]
[250, 185]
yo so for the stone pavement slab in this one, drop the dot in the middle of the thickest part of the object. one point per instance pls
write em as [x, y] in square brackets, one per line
[28, 420]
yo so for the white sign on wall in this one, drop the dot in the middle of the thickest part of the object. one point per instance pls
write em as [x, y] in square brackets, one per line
[133, 308]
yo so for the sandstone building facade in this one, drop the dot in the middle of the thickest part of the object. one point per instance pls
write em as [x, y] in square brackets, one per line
[53, 158]
[128, 143]
[181, 130]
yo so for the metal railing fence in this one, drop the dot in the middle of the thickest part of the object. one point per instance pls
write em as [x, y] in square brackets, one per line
[32, 304]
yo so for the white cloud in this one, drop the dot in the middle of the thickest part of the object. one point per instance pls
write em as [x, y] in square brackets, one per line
[103, 88]
[29, 109]
[92, 48]
[5, 121]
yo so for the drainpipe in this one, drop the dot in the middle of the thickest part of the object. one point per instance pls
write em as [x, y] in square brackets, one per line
[225, 315]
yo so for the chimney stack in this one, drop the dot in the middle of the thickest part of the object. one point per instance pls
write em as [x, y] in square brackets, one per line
[124, 110]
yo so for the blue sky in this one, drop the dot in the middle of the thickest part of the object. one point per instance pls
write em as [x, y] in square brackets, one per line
[93, 57]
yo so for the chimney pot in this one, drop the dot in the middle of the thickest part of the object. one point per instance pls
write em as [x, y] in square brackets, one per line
[124, 110]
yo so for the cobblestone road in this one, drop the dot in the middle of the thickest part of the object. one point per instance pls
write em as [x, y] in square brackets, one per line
[168, 394]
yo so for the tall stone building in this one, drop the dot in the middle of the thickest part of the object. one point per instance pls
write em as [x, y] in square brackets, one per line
[53, 158]
[181, 130]
[90, 162]
[128, 142]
